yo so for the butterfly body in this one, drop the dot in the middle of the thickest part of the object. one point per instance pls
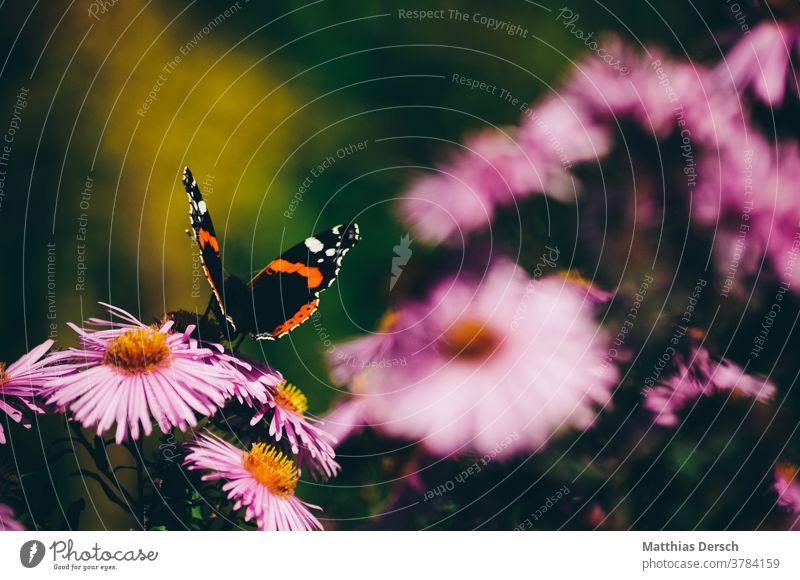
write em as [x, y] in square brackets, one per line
[283, 294]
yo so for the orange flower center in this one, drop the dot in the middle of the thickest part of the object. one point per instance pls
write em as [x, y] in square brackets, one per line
[291, 398]
[272, 469]
[786, 470]
[470, 339]
[3, 374]
[138, 350]
[696, 333]
[388, 320]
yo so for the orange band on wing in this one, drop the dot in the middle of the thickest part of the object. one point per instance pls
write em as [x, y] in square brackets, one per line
[300, 316]
[205, 237]
[313, 274]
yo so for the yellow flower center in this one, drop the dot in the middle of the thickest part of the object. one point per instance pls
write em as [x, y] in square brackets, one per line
[138, 350]
[291, 398]
[470, 339]
[3, 374]
[272, 469]
[786, 470]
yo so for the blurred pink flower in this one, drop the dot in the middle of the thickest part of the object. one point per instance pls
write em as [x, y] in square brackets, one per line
[590, 291]
[647, 95]
[660, 94]
[698, 375]
[787, 487]
[761, 62]
[21, 381]
[131, 373]
[746, 196]
[776, 222]
[348, 418]
[8, 521]
[309, 441]
[499, 166]
[560, 130]
[497, 365]
[557, 134]
[263, 481]
[462, 195]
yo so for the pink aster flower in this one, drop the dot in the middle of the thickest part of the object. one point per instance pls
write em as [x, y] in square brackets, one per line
[253, 386]
[8, 521]
[21, 381]
[129, 373]
[250, 390]
[698, 375]
[312, 444]
[496, 365]
[761, 62]
[787, 487]
[263, 481]
[255, 381]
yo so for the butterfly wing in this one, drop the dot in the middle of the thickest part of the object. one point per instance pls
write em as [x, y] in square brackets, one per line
[286, 292]
[206, 238]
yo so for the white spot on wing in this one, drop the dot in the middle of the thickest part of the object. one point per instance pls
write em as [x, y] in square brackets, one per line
[329, 252]
[314, 244]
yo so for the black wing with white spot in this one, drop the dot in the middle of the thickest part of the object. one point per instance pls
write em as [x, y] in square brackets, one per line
[286, 292]
[205, 236]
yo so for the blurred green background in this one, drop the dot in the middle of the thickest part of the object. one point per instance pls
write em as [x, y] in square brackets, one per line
[261, 95]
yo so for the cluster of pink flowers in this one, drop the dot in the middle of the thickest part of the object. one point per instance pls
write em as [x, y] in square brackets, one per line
[501, 352]
[724, 152]
[697, 375]
[498, 357]
[125, 376]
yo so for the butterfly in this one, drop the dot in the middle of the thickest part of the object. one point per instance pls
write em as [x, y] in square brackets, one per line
[282, 295]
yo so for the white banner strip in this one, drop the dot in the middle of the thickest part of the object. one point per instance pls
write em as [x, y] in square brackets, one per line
[406, 555]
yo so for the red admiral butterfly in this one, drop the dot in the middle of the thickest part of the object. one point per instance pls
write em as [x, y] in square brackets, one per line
[285, 293]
